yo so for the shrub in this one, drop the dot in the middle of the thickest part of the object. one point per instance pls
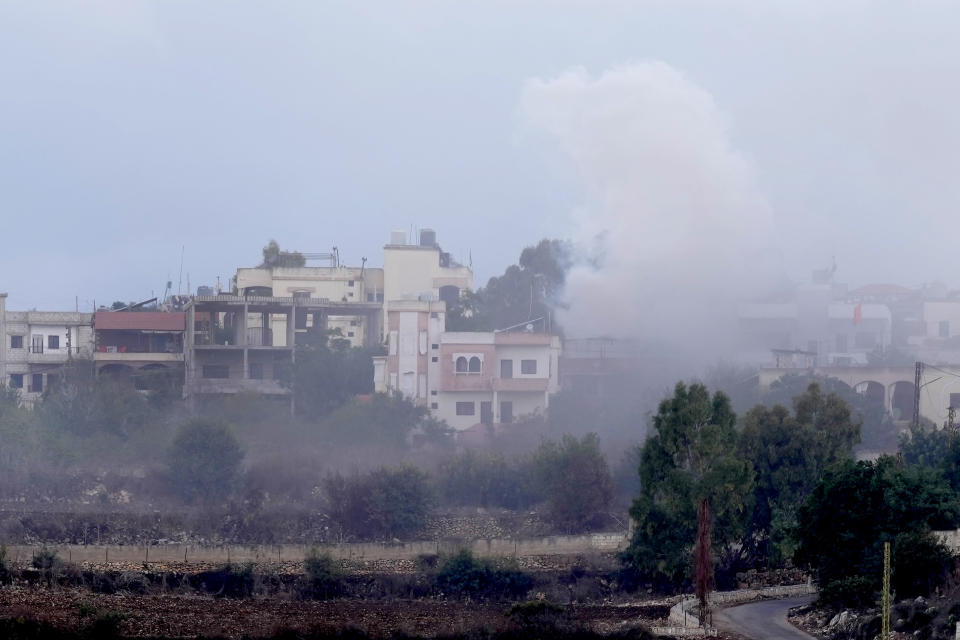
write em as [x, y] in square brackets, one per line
[229, 581]
[204, 460]
[323, 577]
[5, 576]
[852, 592]
[538, 616]
[921, 563]
[576, 480]
[463, 575]
[387, 502]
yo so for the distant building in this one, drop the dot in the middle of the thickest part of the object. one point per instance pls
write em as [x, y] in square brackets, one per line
[37, 344]
[466, 378]
[129, 344]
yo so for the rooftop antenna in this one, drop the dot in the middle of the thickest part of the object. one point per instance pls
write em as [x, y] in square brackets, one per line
[180, 279]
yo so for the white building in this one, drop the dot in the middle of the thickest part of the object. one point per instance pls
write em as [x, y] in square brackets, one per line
[466, 378]
[36, 345]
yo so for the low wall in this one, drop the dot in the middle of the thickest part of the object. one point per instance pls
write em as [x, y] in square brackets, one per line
[171, 553]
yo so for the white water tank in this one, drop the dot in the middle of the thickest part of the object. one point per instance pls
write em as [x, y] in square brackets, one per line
[398, 237]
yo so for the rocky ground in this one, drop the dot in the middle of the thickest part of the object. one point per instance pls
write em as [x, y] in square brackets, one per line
[920, 618]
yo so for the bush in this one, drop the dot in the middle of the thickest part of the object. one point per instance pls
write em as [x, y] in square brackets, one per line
[323, 577]
[463, 575]
[5, 576]
[853, 592]
[204, 460]
[576, 480]
[229, 581]
[921, 562]
[387, 502]
[539, 617]
[477, 479]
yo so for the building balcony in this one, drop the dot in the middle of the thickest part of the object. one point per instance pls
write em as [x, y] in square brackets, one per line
[128, 356]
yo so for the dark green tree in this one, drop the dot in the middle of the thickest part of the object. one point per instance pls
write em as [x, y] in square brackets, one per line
[858, 506]
[328, 372]
[526, 291]
[204, 460]
[691, 456]
[383, 420]
[274, 257]
[576, 480]
[387, 502]
[789, 454]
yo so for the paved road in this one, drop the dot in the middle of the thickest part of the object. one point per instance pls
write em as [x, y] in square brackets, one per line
[764, 620]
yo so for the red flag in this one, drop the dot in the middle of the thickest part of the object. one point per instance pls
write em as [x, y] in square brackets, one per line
[857, 314]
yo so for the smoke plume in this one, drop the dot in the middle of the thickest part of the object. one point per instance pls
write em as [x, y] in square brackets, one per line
[673, 228]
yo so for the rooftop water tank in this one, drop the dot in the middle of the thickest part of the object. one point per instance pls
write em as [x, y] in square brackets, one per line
[398, 237]
[428, 238]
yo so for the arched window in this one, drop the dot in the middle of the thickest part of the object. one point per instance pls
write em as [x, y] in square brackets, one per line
[461, 365]
[474, 364]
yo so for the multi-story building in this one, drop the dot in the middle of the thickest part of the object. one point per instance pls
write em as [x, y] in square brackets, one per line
[37, 344]
[130, 344]
[466, 378]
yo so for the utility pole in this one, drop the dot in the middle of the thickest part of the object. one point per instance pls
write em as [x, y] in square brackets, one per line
[917, 376]
[885, 633]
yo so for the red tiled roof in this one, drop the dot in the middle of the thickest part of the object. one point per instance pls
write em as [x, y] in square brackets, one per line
[139, 320]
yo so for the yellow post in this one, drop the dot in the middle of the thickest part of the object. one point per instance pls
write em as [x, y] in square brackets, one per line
[885, 634]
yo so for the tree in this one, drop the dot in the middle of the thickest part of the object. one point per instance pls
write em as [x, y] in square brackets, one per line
[274, 257]
[526, 291]
[691, 457]
[858, 506]
[392, 421]
[788, 455]
[328, 372]
[385, 503]
[576, 480]
[204, 460]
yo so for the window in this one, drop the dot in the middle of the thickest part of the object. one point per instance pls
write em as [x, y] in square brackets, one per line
[349, 334]
[53, 342]
[349, 283]
[379, 297]
[350, 294]
[506, 412]
[256, 371]
[955, 400]
[36, 383]
[506, 368]
[461, 366]
[465, 409]
[353, 323]
[220, 371]
[36, 344]
[369, 297]
[474, 365]
[434, 359]
[434, 346]
[434, 405]
[301, 295]
[16, 381]
[528, 367]
[16, 342]
[434, 314]
[944, 328]
[433, 392]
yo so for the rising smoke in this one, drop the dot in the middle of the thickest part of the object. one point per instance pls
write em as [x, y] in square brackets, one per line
[673, 229]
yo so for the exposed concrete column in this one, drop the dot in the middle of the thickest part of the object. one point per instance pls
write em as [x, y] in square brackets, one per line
[266, 338]
[243, 340]
[371, 329]
[291, 325]
[189, 339]
[496, 407]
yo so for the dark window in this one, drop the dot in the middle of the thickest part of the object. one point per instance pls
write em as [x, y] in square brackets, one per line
[944, 328]
[434, 405]
[52, 380]
[36, 344]
[16, 381]
[256, 371]
[465, 409]
[955, 400]
[528, 367]
[506, 412]
[434, 346]
[16, 342]
[474, 364]
[486, 413]
[220, 371]
[350, 294]
[506, 368]
[349, 334]
[349, 283]
[353, 323]
[434, 359]
[36, 383]
[53, 342]
[433, 392]
[461, 365]
[434, 314]
[379, 297]
[369, 297]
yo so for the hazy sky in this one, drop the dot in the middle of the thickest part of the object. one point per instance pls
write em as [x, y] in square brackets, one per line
[129, 129]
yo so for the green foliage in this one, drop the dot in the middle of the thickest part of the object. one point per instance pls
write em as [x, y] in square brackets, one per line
[854, 592]
[384, 503]
[922, 562]
[204, 460]
[858, 506]
[274, 257]
[323, 577]
[575, 479]
[328, 372]
[464, 575]
[691, 456]
[487, 479]
[83, 403]
[524, 292]
[937, 449]
[386, 420]
[788, 455]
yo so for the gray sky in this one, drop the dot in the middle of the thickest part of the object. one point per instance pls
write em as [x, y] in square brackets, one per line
[129, 129]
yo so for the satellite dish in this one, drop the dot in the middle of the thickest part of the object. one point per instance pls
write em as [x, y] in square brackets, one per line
[529, 327]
